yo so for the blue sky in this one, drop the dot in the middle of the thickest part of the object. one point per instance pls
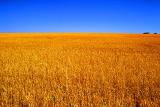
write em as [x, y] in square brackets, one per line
[126, 16]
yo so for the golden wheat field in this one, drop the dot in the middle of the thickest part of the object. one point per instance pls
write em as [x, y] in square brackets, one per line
[79, 70]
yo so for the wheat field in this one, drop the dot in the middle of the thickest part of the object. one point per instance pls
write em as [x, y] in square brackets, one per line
[79, 70]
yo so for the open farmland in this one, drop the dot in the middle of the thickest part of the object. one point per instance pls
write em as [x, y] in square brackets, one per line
[79, 70]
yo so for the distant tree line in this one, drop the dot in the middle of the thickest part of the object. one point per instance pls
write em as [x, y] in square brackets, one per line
[149, 33]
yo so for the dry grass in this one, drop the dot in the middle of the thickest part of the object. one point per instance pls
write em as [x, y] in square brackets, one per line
[79, 70]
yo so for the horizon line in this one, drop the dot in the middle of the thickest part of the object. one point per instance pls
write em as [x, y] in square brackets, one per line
[82, 32]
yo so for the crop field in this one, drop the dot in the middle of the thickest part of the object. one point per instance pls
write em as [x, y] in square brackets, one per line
[79, 70]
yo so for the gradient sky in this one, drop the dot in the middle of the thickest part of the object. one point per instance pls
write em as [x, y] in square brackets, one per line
[127, 16]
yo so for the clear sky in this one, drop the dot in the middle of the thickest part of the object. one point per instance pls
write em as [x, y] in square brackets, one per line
[128, 16]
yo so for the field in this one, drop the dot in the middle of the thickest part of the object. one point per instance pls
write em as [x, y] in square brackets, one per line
[79, 70]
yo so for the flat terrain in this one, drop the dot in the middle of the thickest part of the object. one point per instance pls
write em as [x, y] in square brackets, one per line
[79, 70]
